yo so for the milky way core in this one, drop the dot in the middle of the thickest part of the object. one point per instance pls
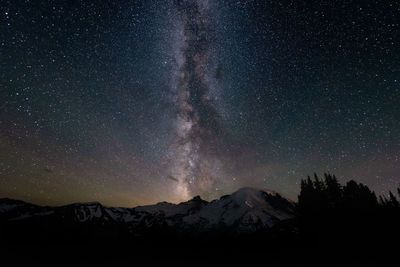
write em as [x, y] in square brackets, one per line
[193, 153]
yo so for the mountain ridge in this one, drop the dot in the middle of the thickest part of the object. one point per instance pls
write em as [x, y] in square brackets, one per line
[247, 209]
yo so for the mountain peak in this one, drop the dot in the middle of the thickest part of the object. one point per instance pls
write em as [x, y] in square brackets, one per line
[247, 190]
[246, 209]
[246, 193]
[252, 190]
[92, 203]
[197, 199]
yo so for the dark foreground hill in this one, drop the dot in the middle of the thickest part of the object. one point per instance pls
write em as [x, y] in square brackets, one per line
[247, 228]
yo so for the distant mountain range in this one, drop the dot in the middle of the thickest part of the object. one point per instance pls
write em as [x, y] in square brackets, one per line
[246, 210]
[249, 227]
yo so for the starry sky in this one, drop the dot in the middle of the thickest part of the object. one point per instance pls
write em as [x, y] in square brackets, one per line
[136, 102]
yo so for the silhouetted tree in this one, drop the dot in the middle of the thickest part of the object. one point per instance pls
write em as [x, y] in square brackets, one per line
[307, 195]
[334, 191]
[317, 195]
[382, 200]
[358, 196]
[390, 202]
[393, 200]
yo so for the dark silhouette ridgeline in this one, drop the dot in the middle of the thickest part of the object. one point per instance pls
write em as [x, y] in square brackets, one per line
[334, 225]
[326, 195]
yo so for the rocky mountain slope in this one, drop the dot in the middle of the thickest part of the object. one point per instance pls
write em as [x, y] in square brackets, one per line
[246, 210]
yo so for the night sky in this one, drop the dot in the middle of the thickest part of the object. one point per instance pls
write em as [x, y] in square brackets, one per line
[135, 102]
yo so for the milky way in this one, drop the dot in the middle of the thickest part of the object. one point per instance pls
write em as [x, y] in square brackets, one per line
[195, 164]
[135, 102]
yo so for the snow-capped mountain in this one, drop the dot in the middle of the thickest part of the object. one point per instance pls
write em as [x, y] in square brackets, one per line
[247, 209]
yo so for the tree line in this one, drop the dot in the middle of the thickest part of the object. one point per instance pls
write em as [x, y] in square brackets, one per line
[324, 194]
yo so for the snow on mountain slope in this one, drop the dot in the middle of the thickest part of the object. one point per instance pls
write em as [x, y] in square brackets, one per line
[166, 208]
[94, 211]
[7, 204]
[5, 207]
[30, 215]
[169, 209]
[247, 209]
[88, 211]
[124, 215]
[11, 209]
